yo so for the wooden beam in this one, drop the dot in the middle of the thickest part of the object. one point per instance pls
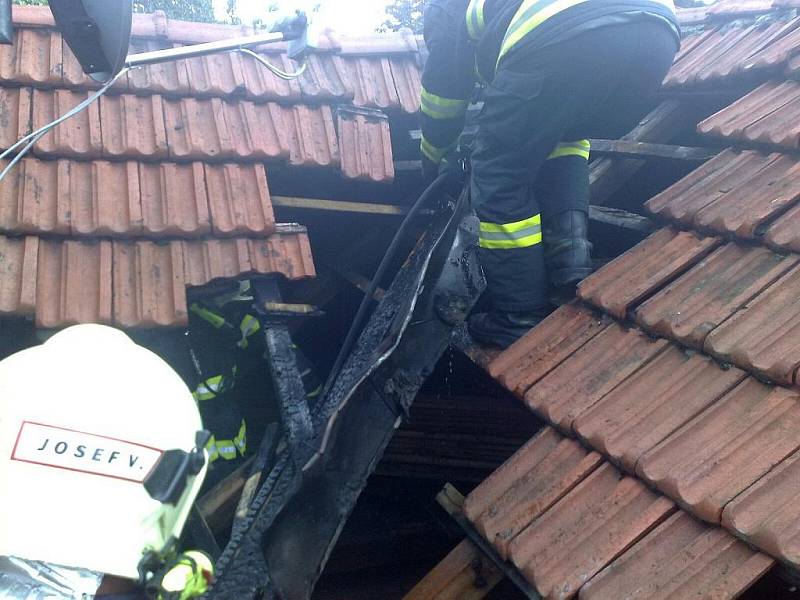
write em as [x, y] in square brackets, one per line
[370, 208]
[218, 505]
[621, 218]
[644, 150]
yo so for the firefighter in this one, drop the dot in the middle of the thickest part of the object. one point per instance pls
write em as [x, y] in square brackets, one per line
[101, 458]
[555, 72]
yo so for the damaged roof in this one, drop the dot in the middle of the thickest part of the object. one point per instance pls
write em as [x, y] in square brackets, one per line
[670, 465]
[164, 182]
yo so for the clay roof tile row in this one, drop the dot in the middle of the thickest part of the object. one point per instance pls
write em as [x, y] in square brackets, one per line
[132, 283]
[150, 199]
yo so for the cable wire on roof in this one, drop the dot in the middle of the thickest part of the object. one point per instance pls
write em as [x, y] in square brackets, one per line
[285, 75]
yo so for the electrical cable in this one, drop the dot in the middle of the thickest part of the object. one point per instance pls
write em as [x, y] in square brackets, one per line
[286, 76]
[355, 327]
[35, 136]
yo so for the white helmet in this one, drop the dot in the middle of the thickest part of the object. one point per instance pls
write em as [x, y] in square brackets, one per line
[100, 452]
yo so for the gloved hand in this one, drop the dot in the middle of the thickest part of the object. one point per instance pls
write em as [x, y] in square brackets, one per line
[451, 166]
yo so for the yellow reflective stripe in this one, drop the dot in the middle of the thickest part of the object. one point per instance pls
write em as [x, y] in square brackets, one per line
[211, 446]
[240, 441]
[249, 326]
[529, 16]
[226, 449]
[208, 389]
[432, 153]
[439, 107]
[210, 317]
[476, 19]
[187, 578]
[580, 148]
[314, 393]
[504, 236]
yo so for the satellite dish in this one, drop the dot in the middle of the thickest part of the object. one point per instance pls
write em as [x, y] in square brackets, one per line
[97, 31]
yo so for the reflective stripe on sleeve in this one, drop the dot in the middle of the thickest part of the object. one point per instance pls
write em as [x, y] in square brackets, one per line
[476, 20]
[208, 389]
[432, 153]
[580, 148]
[439, 107]
[520, 234]
[249, 326]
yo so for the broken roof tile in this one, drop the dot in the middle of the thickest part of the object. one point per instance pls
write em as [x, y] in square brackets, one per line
[652, 403]
[19, 258]
[79, 136]
[35, 58]
[691, 307]
[239, 199]
[635, 275]
[288, 254]
[174, 201]
[148, 285]
[373, 83]
[681, 559]
[366, 146]
[546, 346]
[311, 136]
[73, 283]
[206, 261]
[34, 199]
[767, 115]
[465, 573]
[529, 483]
[768, 514]
[590, 373]
[94, 211]
[133, 127]
[585, 531]
[735, 192]
[727, 448]
[763, 336]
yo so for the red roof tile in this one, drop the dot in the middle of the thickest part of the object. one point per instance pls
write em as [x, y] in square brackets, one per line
[407, 82]
[767, 115]
[768, 514]
[776, 54]
[164, 78]
[529, 483]
[624, 282]
[174, 201]
[681, 559]
[149, 287]
[374, 84]
[239, 200]
[19, 259]
[546, 346]
[688, 309]
[762, 337]
[90, 211]
[785, 231]
[368, 147]
[35, 58]
[726, 449]
[133, 127]
[326, 77]
[723, 53]
[73, 283]
[13, 103]
[79, 136]
[35, 198]
[585, 531]
[287, 254]
[590, 373]
[652, 403]
[311, 136]
[741, 7]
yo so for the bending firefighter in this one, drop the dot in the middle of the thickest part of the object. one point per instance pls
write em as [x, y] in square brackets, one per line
[101, 457]
[556, 72]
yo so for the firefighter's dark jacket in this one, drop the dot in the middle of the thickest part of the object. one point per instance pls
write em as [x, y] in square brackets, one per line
[467, 39]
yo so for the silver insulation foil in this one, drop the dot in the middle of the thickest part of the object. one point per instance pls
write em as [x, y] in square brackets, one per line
[32, 580]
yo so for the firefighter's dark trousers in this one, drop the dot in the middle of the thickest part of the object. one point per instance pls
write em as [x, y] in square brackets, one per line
[527, 160]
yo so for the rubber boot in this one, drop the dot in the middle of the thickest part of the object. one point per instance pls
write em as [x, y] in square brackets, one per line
[504, 328]
[567, 250]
